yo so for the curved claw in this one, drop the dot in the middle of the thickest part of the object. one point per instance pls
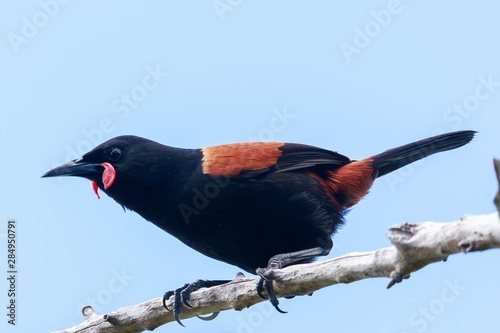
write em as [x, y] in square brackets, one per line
[208, 318]
[278, 308]
[272, 298]
[260, 288]
[268, 285]
[166, 297]
[177, 306]
[182, 294]
[184, 297]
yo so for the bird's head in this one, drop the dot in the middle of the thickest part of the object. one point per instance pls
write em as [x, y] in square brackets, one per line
[122, 167]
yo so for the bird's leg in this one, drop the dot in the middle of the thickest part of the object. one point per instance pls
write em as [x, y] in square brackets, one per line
[279, 261]
[181, 295]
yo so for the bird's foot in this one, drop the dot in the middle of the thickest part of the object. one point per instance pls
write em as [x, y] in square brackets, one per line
[283, 260]
[266, 283]
[182, 294]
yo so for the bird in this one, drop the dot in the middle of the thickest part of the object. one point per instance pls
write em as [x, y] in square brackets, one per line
[259, 206]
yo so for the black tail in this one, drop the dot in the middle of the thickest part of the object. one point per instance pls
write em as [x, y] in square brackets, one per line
[396, 158]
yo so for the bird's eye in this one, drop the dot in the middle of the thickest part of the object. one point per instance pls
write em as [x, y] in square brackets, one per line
[115, 154]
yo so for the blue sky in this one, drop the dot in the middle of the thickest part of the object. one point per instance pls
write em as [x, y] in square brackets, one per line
[357, 78]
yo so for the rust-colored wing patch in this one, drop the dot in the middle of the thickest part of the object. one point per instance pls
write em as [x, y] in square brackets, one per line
[231, 159]
[352, 181]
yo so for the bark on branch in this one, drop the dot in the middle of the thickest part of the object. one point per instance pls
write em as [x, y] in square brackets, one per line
[415, 246]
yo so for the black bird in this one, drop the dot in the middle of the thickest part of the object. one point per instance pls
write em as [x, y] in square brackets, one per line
[258, 205]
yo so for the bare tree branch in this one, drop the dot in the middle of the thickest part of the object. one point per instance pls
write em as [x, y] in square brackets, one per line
[415, 246]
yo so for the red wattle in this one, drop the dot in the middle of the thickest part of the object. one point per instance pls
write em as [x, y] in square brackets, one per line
[95, 188]
[108, 176]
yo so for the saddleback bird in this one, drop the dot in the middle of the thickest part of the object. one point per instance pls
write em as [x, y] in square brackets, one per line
[256, 205]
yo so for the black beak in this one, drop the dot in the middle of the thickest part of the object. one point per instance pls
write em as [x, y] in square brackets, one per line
[77, 167]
